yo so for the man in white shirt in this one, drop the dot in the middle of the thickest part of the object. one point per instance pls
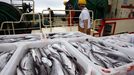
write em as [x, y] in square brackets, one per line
[84, 18]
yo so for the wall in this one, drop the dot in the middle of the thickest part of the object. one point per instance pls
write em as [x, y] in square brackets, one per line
[121, 12]
[123, 25]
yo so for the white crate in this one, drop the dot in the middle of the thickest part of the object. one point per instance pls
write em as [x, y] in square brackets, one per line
[39, 44]
[122, 70]
[118, 41]
[124, 38]
[127, 51]
[37, 35]
[8, 47]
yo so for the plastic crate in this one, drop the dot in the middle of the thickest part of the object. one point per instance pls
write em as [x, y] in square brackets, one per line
[39, 44]
[6, 48]
[126, 38]
[127, 69]
[20, 38]
[124, 42]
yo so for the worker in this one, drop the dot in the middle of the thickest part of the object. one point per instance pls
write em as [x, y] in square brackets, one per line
[84, 18]
[71, 15]
[66, 3]
[51, 15]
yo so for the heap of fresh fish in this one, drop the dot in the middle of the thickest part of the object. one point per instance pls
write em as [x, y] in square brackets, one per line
[101, 54]
[51, 60]
[64, 35]
[6, 39]
[122, 40]
[4, 58]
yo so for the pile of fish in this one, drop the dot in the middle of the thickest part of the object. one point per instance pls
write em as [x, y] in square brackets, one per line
[64, 35]
[53, 59]
[4, 58]
[119, 43]
[6, 39]
[101, 54]
[122, 40]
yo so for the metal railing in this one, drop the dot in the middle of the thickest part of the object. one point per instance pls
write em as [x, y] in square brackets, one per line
[58, 19]
[22, 20]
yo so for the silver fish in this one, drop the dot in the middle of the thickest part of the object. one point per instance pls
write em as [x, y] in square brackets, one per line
[115, 54]
[101, 47]
[94, 59]
[54, 52]
[4, 59]
[57, 47]
[116, 63]
[119, 56]
[103, 60]
[56, 68]
[42, 70]
[56, 36]
[68, 35]
[47, 63]
[64, 49]
[69, 66]
[47, 51]
[65, 71]
[36, 55]
[97, 50]
[86, 48]
[19, 72]
[74, 44]
[79, 69]
[27, 65]
[29, 37]
[33, 54]
[42, 52]
[83, 50]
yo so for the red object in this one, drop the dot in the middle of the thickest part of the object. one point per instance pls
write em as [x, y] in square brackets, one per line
[131, 32]
[70, 18]
[131, 68]
[100, 28]
[103, 23]
[127, 6]
[114, 19]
